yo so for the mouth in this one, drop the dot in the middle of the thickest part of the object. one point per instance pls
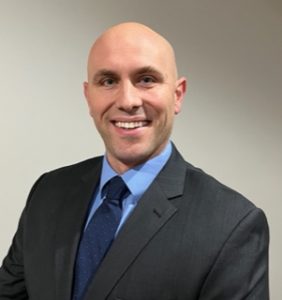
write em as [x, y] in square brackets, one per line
[131, 125]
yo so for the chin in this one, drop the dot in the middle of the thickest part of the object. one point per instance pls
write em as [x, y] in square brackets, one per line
[131, 158]
[132, 154]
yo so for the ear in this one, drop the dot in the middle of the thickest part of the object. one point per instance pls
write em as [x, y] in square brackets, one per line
[180, 91]
[85, 89]
[86, 94]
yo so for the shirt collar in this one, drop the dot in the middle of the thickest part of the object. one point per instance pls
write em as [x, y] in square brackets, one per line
[140, 177]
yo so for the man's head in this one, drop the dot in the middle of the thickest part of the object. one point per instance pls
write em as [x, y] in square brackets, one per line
[133, 93]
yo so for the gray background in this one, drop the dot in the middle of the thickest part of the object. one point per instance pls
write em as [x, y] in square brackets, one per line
[231, 123]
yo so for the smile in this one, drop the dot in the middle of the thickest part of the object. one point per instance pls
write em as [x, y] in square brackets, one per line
[131, 125]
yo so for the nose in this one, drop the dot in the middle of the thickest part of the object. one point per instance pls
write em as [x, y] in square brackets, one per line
[128, 98]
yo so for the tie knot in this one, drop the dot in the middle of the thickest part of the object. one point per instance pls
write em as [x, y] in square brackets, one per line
[116, 189]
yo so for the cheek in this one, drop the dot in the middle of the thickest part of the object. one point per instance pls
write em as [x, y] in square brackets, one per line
[96, 105]
[92, 108]
[157, 98]
[164, 104]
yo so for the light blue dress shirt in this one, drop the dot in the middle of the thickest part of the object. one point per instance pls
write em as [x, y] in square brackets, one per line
[137, 179]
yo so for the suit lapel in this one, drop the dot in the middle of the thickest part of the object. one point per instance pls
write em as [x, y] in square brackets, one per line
[72, 217]
[151, 214]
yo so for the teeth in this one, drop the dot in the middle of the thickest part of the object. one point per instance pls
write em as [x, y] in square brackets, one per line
[130, 125]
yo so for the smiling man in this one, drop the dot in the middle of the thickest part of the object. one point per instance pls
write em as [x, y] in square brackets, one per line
[133, 93]
[139, 222]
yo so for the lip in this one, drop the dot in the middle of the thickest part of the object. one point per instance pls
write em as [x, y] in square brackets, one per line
[132, 127]
[129, 119]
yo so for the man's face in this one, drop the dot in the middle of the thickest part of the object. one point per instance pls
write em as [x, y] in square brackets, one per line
[133, 95]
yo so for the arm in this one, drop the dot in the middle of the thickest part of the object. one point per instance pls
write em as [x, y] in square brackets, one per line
[241, 268]
[12, 283]
[12, 277]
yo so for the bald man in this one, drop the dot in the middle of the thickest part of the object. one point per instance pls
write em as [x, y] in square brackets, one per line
[166, 230]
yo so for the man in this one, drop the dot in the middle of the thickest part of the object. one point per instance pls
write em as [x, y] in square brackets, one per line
[180, 234]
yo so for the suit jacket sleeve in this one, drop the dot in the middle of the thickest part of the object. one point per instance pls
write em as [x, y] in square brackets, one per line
[12, 280]
[241, 269]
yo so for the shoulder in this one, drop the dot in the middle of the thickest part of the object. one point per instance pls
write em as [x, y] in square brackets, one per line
[74, 171]
[214, 192]
[209, 198]
[77, 169]
[65, 178]
[216, 210]
[219, 210]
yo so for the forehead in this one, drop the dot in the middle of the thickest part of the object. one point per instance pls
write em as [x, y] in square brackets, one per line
[128, 52]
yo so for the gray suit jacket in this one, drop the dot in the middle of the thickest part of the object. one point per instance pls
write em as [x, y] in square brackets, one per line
[189, 238]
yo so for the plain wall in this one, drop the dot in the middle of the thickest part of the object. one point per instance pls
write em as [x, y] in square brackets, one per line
[230, 125]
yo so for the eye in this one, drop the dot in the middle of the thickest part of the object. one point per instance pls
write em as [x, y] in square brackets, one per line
[147, 80]
[108, 82]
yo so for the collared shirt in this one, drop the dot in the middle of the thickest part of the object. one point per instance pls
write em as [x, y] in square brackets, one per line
[137, 179]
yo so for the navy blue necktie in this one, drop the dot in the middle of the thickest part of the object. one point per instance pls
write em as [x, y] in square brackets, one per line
[99, 235]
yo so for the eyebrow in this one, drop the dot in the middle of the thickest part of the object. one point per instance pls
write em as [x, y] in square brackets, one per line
[140, 71]
[103, 73]
[149, 70]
